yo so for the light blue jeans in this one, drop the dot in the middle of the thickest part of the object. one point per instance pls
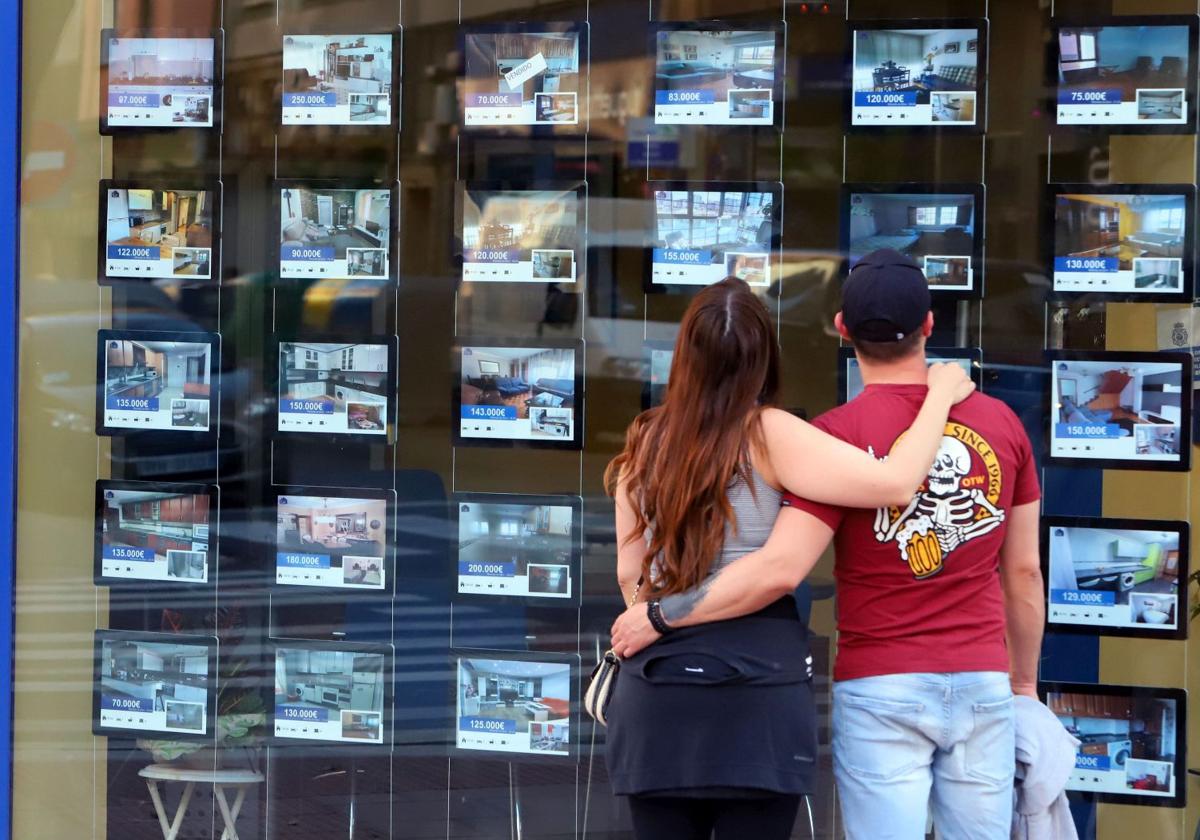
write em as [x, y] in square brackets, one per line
[903, 743]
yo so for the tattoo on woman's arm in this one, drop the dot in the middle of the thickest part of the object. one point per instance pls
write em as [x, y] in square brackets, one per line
[676, 608]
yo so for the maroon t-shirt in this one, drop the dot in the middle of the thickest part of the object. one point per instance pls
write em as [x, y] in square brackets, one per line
[918, 587]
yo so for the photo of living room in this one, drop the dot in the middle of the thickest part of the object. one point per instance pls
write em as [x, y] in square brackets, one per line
[1125, 226]
[710, 76]
[1131, 410]
[510, 548]
[700, 236]
[337, 79]
[521, 78]
[332, 388]
[153, 535]
[330, 541]
[936, 229]
[520, 235]
[157, 384]
[501, 700]
[937, 68]
[1134, 73]
[319, 227]
[1137, 572]
[153, 685]
[160, 81]
[1127, 744]
[158, 234]
[329, 694]
[504, 389]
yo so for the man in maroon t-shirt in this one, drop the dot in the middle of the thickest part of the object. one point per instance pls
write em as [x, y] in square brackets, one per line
[939, 603]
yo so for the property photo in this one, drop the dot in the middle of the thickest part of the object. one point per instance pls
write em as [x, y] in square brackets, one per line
[525, 536]
[339, 693]
[524, 383]
[158, 82]
[1137, 569]
[351, 533]
[935, 66]
[148, 534]
[936, 229]
[535, 229]
[149, 677]
[1130, 228]
[343, 386]
[158, 383]
[715, 75]
[715, 222]
[152, 233]
[1134, 60]
[533, 77]
[521, 694]
[331, 69]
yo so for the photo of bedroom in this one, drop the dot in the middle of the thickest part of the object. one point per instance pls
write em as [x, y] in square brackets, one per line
[145, 382]
[153, 686]
[329, 694]
[936, 229]
[510, 548]
[916, 76]
[337, 79]
[330, 541]
[500, 701]
[153, 535]
[1123, 74]
[1110, 409]
[335, 233]
[520, 235]
[517, 393]
[333, 388]
[1120, 242]
[158, 234]
[158, 82]
[701, 236]
[1128, 744]
[521, 78]
[1114, 577]
[714, 77]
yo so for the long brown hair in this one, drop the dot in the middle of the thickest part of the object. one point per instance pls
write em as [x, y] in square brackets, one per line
[681, 457]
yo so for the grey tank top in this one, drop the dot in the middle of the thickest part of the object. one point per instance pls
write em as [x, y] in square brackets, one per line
[755, 514]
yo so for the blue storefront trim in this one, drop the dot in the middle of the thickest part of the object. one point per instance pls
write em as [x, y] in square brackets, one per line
[10, 186]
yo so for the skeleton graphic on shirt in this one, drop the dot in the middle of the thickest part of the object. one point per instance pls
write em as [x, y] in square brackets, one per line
[946, 514]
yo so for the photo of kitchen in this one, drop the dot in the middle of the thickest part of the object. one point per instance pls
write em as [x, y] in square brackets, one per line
[500, 700]
[154, 535]
[528, 235]
[520, 78]
[159, 234]
[319, 226]
[330, 388]
[1134, 574]
[324, 74]
[1127, 744]
[153, 685]
[160, 81]
[157, 384]
[338, 694]
[530, 544]
[349, 534]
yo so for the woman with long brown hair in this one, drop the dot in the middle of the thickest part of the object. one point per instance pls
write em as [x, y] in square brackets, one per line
[712, 729]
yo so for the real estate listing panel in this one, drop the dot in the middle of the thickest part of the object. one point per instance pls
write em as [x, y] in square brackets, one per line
[1116, 577]
[333, 692]
[332, 387]
[524, 75]
[159, 79]
[154, 685]
[159, 231]
[344, 80]
[850, 381]
[336, 538]
[1132, 740]
[336, 230]
[156, 382]
[154, 533]
[522, 233]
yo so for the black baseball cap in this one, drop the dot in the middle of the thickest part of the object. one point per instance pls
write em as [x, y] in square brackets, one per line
[885, 298]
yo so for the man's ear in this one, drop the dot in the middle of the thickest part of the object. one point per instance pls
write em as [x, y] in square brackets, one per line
[927, 327]
[840, 325]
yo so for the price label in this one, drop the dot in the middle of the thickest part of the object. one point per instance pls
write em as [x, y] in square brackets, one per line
[1092, 762]
[1082, 598]
[309, 100]
[1087, 265]
[885, 99]
[290, 406]
[133, 100]
[303, 713]
[494, 100]
[475, 569]
[487, 725]
[119, 403]
[298, 560]
[304, 253]
[684, 97]
[124, 552]
[1090, 96]
[133, 252]
[126, 704]
[510, 255]
[682, 256]
[489, 412]
[1097, 431]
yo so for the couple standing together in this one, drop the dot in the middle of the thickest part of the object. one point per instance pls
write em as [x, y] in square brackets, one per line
[724, 503]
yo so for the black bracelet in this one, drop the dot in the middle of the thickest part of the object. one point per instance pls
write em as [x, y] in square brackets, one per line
[654, 613]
